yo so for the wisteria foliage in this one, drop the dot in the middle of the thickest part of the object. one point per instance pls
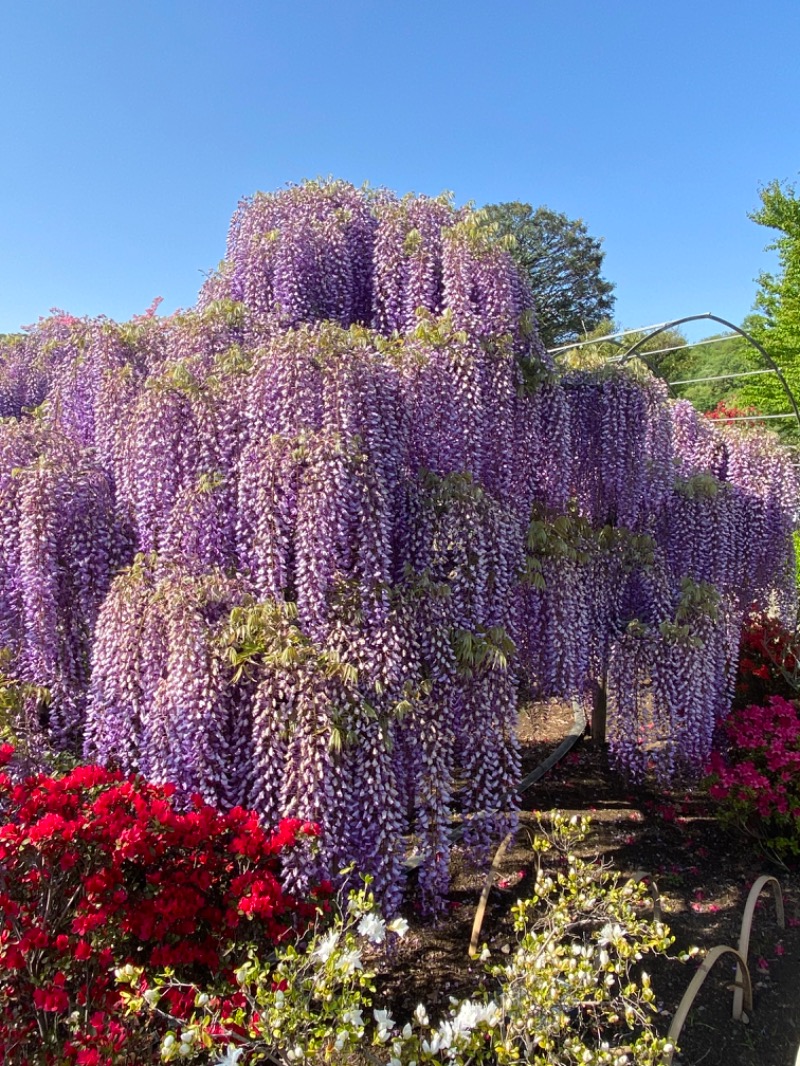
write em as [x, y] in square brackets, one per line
[298, 547]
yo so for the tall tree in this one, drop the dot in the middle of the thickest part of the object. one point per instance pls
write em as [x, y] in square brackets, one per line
[563, 264]
[776, 321]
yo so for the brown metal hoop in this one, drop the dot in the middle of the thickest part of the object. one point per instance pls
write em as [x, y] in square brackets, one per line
[487, 887]
[747, 923]
[694, 987]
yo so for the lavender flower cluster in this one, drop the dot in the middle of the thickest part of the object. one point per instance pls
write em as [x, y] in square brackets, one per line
[297, 548]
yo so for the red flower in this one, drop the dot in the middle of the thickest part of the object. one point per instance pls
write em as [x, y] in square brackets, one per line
[88, 1057]
[83, 951]
[53, 1000]
[129, 879]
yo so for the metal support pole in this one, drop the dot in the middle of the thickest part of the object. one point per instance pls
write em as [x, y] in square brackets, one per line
[600, 710]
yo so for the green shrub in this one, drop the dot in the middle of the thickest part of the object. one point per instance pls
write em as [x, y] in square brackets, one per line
[571, 992]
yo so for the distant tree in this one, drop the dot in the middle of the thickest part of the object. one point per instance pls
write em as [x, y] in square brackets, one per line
[563, 263]
[601, 345]
[776, 320]
[714, 358]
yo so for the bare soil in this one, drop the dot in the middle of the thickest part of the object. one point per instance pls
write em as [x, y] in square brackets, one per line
[703, 875]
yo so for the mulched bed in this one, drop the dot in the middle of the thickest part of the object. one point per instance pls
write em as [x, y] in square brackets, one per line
[703, 875]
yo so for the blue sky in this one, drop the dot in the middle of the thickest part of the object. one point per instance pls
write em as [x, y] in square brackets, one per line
[131, 130]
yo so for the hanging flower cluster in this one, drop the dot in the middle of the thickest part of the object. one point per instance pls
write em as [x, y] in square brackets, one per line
[297, 547]
[330, 252]
[617, 547]
[59, 549]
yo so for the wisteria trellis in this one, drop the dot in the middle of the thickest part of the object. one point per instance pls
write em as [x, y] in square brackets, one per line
[299, 546]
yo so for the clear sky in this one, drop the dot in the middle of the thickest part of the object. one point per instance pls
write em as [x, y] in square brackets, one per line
[130, 130]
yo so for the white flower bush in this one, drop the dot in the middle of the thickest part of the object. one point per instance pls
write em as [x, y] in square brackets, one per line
[571, 993]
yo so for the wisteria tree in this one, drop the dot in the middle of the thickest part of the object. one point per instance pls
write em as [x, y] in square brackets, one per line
[298, 547]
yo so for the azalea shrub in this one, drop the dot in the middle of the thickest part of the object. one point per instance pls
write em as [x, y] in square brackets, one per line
[99, 871]
[768, 660]
[756, 779]
[724, 412]
[572, 992]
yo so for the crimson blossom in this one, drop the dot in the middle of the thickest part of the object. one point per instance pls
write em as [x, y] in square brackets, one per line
[98, 872]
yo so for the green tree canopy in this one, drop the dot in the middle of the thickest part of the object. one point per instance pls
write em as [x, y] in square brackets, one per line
[602, 345]
[714, 358]
[563, 264]
[776, 320]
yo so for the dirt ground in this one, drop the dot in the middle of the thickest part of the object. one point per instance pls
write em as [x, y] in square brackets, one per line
[703, 875]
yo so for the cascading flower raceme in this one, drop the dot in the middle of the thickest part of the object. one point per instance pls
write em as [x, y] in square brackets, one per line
[297, 547]
[60, 549]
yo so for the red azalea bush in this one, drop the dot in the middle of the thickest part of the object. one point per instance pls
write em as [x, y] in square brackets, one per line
[724, 411]
[768, 661]
[98, 871]
[758, 784]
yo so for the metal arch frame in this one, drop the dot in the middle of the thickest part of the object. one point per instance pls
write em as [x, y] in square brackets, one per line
[634, 349]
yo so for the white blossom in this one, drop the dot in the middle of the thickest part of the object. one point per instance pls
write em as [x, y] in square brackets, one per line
[431, 1047]
[472, 1014]
[349, 962]
[385, 1024]
[399, 926]
[373, 927]
[326, 946]
[231, 1056]
[611, 933]
[447, 1034]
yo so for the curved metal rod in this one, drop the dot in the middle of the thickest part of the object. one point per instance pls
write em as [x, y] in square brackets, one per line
[577, 729]
[487, 887]
[747, 923]
[694, 987]
[737, 329]
[576, 732]
[414, 858]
